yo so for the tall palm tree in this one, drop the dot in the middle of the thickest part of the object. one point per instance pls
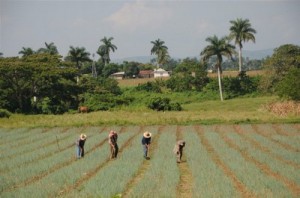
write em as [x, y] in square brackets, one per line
[160, 50]
[78, 55]
[50, 48]
[241, 31]
[219, 48]
[164, 56]
[26, 51]
[105, 48]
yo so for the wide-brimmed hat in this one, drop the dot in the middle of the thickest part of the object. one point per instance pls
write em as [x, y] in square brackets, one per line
[181, 142]
[111, 133]
[147, 134]
[82, 136]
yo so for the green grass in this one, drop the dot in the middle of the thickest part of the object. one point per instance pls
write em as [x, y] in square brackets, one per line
[240, 110]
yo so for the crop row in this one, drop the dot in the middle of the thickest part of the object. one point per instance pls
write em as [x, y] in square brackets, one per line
[218, 161]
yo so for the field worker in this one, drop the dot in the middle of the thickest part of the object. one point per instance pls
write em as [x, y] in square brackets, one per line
[178, 149]
[112, 140]
[146, 141]
[80, 146]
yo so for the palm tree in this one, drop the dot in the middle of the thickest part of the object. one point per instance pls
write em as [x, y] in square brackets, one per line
[219, 48]
[50, 48]
[26, 51]
[241, 31]
[164, 56]
[160, 50]
[78, 55]
[105, 48]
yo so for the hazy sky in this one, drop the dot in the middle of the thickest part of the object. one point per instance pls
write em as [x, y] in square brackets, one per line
[182, 24]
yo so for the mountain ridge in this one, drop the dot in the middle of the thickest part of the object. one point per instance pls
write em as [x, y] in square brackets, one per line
[251, 54]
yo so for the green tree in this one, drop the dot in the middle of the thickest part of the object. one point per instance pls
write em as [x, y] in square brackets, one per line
[219, 48]
[50, 49]
[78, 55]
[36, 76]
[131, 69]
[105, 49]
[160, 50]
[284, 58]
[241, 31]
[290, 85]
[110, 69]
[26, 51]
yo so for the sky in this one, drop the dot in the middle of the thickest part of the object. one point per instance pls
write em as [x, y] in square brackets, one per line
[182, 24]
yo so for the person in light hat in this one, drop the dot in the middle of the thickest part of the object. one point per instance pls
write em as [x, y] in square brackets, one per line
[146, 141]
[80, 145]
[112, 140]
[178, 149]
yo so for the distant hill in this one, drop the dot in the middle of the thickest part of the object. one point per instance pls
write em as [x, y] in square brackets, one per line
[255, 54]
[139, 59]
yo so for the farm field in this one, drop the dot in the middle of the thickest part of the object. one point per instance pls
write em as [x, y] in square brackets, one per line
[136, 81]
[247, 160]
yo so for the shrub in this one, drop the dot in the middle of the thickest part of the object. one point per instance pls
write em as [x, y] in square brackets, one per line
[4, 113]
[149, 87]
[163, 104]
[290, 85]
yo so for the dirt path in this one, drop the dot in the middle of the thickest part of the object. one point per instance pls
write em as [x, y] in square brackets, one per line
[143, 168]
[292, 186]
[264, 149]
[278, 129]
[239, 186]
[185, 185]
[269, 137]
[94, 171]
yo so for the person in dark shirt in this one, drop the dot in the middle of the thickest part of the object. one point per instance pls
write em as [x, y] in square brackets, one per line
[146, 141]
[80, 146]
[112, 140]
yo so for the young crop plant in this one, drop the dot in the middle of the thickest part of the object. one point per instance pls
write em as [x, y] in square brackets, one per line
[47, 149]
[244, 168]
[273, 146]
[280, 170]
[14, 139]
[25, 178]
[204, 169]
[162, 175]
[113, 178]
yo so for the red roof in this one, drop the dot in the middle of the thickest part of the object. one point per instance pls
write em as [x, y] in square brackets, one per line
[146, 72]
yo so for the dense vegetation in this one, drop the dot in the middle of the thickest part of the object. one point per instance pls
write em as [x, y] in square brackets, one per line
[46, 84]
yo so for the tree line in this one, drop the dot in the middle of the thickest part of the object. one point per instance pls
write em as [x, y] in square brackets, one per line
[43, 82]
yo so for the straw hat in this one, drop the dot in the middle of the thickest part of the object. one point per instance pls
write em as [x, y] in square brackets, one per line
[147, 134]
[181, 142]
[82, 136]
[111, 133]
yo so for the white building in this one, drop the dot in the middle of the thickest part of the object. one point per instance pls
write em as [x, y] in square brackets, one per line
[159, 73]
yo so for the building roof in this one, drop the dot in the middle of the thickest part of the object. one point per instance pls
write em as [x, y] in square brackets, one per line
[118, 73]
[160, 70]
[146, 72]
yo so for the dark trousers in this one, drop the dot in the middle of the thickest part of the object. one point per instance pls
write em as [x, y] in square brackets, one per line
[114, 151]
